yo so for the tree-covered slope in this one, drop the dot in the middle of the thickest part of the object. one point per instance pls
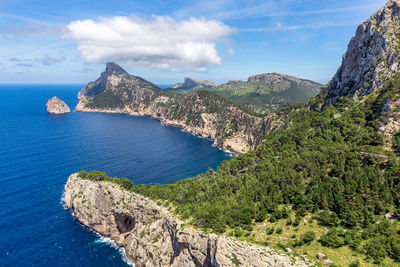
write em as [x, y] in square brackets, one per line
[329, 166]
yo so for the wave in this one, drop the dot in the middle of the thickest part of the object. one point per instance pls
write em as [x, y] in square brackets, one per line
[108, 241]
[101, 239]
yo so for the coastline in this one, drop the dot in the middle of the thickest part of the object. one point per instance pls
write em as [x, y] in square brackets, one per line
[220, 144]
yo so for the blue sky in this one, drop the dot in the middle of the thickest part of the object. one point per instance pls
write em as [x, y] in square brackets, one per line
[68, 41]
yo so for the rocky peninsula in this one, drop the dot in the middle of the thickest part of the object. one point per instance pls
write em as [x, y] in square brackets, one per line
[152, 236]
[57, 106]
[201, 113]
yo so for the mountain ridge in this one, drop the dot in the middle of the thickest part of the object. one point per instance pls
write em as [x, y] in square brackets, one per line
[265, 93]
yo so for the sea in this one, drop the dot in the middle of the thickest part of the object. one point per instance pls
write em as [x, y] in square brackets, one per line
[38, 151]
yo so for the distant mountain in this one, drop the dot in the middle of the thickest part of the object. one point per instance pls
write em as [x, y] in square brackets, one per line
[190, 83]
[266, 92]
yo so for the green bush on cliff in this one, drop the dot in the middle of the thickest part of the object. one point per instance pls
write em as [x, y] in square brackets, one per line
[98, 176]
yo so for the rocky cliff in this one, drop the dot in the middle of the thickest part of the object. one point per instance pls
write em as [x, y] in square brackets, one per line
[57, 106]
[372, 56]
[191, 83]
[201, 113]
[152, 236]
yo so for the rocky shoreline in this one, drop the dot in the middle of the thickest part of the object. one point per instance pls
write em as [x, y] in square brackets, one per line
[152, 236]
[234, 146]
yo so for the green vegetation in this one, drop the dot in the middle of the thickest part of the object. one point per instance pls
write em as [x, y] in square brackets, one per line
[105, 99]
[98, 176]
[264, 96]
[326, 177]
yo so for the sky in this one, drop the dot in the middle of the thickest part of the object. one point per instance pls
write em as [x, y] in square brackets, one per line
[69, 41]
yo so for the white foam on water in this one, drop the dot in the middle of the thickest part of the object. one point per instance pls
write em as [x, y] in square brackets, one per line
[62, 200]
[108, 241]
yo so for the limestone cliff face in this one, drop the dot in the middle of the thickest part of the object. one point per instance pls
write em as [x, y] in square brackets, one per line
[152, 236]
[201, 113]
[372, 55]
[57, 106]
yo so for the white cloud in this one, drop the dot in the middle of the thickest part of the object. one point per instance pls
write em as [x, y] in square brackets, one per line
[160, 42]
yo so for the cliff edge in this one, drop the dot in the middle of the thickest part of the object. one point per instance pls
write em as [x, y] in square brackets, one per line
[152, 236]
[372, 56]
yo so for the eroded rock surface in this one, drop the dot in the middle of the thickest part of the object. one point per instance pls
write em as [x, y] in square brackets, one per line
[152, 236]
[57, 106]
[372, 55]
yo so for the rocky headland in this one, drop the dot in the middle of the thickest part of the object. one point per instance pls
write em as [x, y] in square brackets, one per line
[201, 112]
[57, 106]
[152, 236]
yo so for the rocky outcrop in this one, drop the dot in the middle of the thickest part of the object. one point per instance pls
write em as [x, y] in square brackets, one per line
[201, 113]
[57, 106]
[152, 236]
[372, 56]
[191, 83]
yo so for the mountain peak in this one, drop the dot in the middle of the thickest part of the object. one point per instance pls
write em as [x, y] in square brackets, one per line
[113, 67]
[190, 82]
[372, 56]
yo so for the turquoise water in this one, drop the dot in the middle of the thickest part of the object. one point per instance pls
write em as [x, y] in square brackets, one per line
[38, 151]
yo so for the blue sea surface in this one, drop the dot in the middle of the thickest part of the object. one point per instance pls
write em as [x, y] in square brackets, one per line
[38, 152]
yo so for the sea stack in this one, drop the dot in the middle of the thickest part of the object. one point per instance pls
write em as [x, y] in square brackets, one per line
[57, 106]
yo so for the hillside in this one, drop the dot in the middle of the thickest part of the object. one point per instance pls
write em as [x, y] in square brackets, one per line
[201, 112]
[328, 179]
[266, 92]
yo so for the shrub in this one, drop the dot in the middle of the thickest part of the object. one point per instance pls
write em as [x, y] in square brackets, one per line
[308, 237]
[270, 231]
[237, 232]
[334, 238]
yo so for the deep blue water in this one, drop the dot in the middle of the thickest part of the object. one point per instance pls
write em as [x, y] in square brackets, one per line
[38, 151]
